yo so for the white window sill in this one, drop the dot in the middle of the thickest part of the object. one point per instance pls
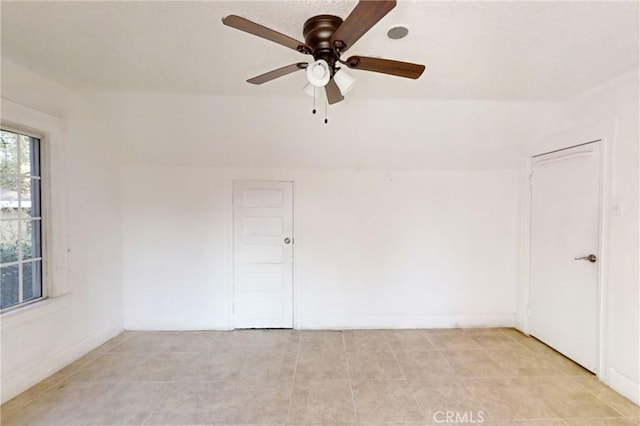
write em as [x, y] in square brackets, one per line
[34, 311]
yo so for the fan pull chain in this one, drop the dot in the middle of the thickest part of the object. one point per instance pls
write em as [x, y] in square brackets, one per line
[314, 100]
[326, 107]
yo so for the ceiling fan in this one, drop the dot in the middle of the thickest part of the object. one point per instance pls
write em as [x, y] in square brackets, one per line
[327, 37]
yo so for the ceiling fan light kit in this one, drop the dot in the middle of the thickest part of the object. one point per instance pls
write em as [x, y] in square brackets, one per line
[344, 81]
[326, 38]
[319, 73]
[310, 89]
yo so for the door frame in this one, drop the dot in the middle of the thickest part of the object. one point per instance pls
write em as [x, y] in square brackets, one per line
[580, 134]
[231, 247]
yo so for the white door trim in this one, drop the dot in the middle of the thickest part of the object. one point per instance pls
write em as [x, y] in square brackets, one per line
[582, 134]
[230, 273]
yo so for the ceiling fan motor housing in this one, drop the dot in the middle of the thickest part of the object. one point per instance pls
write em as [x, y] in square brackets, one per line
[317, 32]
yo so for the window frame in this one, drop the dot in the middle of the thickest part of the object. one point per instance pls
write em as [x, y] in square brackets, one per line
[44, 216]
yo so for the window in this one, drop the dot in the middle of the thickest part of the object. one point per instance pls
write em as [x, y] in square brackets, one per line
[20, 219]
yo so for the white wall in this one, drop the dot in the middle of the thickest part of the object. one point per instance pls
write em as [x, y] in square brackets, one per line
[613, 106]
[243, 132]
[372, 248]
[377, 244]
[85, 279]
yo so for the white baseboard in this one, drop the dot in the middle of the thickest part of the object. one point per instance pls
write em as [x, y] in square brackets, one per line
[176, 328]
[430, 321]
[624, 385]
[20, 380]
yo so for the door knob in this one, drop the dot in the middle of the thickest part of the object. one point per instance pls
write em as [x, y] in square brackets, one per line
[287, 240]
[591, 258]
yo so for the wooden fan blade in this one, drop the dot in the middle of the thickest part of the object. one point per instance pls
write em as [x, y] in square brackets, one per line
[364, 16]
[333, 92]
[242, 24]
[272, 75]
[386, 66]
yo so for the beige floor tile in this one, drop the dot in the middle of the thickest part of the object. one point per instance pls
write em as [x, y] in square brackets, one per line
[474, 364]
[557, 363]
[364, 365]
[86, 359]
[224, 403]
[208, 342]
[234, 342]
[453, 339]
[263, 402]
[571, 400]
[188, 341]
[408, 340]
[428, 366]
[443, 331]
[576, 402]
[110, 367]
[552, 385]
[62, 374]
[385, 401]
[618, 402]
[273, 341]
[162, 367]
[437, 402]
[269, 366]
[569, 368]
[323, 402]
[497, 340]
[246, 377]
[61, 405]
[112, 343]
[590, 383]
[263, 340]
[40, 416]
[26, 397]
[191, 403]
[531, 343]
[9, 412]
[321, 365]
[145, 342]
[581, 405]
[602, 422]
[484, 332]
[524, 362]
[321, 341]
[365, 340]
[537, 422]
[72, 368]
[523, 339]
[510, 399]
[512, 332]
[124, 404]
[222, 367]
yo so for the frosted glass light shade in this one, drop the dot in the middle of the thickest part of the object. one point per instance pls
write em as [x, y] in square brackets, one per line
[309, 89]
[319, 95]
[319, 73]
[344, 81]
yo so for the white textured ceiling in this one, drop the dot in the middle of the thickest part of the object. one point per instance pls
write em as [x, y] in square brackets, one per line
[524, 51]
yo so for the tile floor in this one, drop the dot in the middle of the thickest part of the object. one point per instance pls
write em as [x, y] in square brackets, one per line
[482, 376]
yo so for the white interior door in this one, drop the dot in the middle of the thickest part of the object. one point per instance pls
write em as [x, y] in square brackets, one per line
[565, 224]
[263, 254]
